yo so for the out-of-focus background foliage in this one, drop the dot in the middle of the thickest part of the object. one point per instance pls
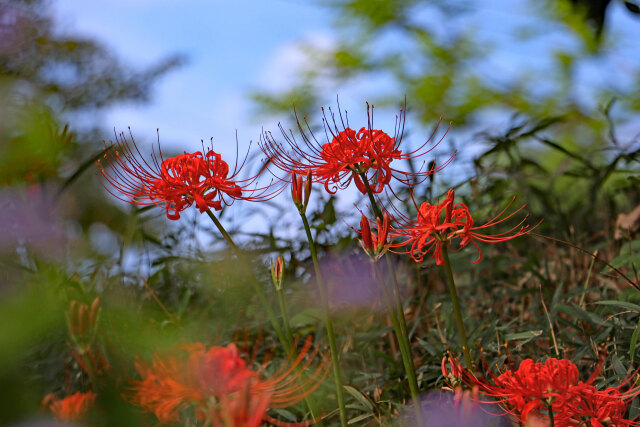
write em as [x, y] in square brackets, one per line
[544, 97]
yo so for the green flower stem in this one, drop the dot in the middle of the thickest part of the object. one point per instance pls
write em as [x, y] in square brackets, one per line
[256, 286]
[311, 403]
[394, 282]
[456, 307]
[401, 323]
[285, 319]
[329, 325]
[397, 318]
[403, 333]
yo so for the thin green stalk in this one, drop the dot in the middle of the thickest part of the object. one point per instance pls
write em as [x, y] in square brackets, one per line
[404, 332]
[311, 403]
[397, 319]
[401, 326]
[586, 282]
[328, 323]
[551, 420]
[285, 318]
[256, 286]
[457, 313]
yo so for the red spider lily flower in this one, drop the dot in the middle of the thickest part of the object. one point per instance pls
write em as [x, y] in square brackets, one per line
[178, 182]
[597, 408]
[220, 388]
[348, 155]
[534, 389]
[244, 408]
[70, 408]
[437, 225]
[523, 392]
[375, 245]
[167, 387]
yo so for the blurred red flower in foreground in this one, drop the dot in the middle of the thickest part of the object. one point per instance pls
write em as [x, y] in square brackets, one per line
[220, 387]
[178, 182]
[71, 408]
[348, 155]
[534, 389]
[439, 224]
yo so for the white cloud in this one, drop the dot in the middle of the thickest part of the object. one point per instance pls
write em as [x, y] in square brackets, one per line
[290, 60]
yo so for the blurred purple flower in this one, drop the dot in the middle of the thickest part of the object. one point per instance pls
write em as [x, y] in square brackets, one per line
[351, 282]
[448, 409]
[27, 218]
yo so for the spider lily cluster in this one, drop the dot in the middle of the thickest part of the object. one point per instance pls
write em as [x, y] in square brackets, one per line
[216, 386]
[541, 392]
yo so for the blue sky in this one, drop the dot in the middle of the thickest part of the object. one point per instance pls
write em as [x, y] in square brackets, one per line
[236, 46]
[230, 46]
[233, 47]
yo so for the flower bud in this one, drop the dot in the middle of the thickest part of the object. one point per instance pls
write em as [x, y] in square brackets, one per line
[375, 245]
[307, 188]
[296, 189]
[383, 231]
[277, 273]
[83, 314]
[83, 321]
[365, 230]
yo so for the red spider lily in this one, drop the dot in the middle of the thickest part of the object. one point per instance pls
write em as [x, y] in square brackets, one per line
[534, 389]
[348, 155]
[598, 408]
[178, 182]
[437, 225]
[220, 387]
[70, 408]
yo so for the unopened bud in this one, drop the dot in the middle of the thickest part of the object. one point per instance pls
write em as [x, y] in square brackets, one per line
[296, 189]
[365, 230]
[375, 245]
[277, 271]
[83, 314]
[307, 187]
[93, 314]
[83, 321]
[383, 231]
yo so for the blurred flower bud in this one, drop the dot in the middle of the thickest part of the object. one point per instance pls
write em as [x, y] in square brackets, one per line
[83, 321]
[277, 271]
